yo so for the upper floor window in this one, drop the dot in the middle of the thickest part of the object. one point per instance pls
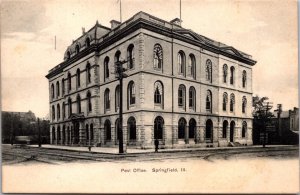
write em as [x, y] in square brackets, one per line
[88, 73]
[89, 102]
[117, 98]
[244, 78]
[69, 82]
[106, 67]
[192, 98]
[68, 55]
[130, 56]
[181, 62]
[117, 56]
[232, 101]
[58, 111]
[225, 100]
[244, 104]
[53, 113]
[77, 49]
[158, 93]
[57, 89]
[78, 104]
[208, 101]
[52, 91]
[64, 110]
[192, 66]
[181, 96]
[63, 86]
[131, 93]
[88, 42]
[208, 70]
[157, 56]
[78, 77]
[225, 69]
[106, 99]
[231, 75]
[70, 106]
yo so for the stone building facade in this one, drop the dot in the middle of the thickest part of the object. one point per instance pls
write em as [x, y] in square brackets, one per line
[183, 89]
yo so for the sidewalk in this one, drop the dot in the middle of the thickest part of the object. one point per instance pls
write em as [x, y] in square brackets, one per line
[110, 150]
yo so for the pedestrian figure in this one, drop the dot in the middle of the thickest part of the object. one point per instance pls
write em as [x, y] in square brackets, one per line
[156, 142]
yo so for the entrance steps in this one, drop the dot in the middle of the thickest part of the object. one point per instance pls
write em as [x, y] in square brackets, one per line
[234, 144]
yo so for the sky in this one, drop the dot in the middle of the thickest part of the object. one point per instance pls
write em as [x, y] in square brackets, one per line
[265, 29]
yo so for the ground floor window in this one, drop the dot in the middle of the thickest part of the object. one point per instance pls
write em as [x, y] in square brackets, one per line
[158, 127]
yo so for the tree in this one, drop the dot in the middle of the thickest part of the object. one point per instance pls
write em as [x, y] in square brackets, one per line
[261, 116]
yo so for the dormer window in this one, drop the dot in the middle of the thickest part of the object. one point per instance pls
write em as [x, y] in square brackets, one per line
[68, 55]
[77, 49]
[87, 42]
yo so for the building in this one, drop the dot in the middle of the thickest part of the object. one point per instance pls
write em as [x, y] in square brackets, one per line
[182, 88]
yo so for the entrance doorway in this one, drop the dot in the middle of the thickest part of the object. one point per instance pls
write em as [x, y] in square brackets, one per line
[232, 126]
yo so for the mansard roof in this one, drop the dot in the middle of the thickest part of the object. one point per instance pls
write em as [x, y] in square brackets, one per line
[101, 37]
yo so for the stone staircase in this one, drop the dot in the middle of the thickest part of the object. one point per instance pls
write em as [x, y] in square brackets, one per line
[234, 144]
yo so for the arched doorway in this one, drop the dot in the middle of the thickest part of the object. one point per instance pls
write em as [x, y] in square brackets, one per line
[131, 128]
[181, 128]
[244, 129]
[107, 130]
[53, 135]
[68, 136]
[192, 129]
[158, 127]
[225, 126]
[64, 134]
[232, 126]
[76, 133]
[58, 135]
[209, 131]
[87, 136]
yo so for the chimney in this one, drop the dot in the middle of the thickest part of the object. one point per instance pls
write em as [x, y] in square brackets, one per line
[114, 24]
[83, 30]
[176, 21]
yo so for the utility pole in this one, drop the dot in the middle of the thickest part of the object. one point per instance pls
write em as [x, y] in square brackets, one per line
[268, 107]
[279, 111]
[40, 144]
[12, 130]
[119, 70]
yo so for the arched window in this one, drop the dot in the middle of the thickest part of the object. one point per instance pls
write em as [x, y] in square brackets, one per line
[181, 62]
[64, 110]
[192, 66]
[88, 73]
[208, 70]
[231, 75]
[244, 104]
[57, 89]
[225, 69]
[209, 131]
[181, 96]
[106, 67]
[117, 56]
[89, 102]
[117, 98]
[131, 128]
[87, 132]
[181, 128]
[209, 101]
[107, 129]
[131, 93]
[63, 134]
[232, 101]
[52, 91]
[77, 49]
[69, 82]
[130, 56]
[225, 126]
[70, 106]
[78, 77]
[78, 104]
[157, 57]
[106, 99]
[225, 100]
[158, 127]
[158, 93]
[68, 55]
[244, 129]
[58, 133]
[244, 78]
[192, 128]
[92, 131]
[192, 98]
[87, 42]
[63, 86]
[58, 111]
[53, 134]
[53, 113]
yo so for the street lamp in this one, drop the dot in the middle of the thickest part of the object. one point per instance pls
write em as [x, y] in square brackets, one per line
[119, 71]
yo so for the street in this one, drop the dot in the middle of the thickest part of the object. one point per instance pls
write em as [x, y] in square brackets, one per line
[28, 155]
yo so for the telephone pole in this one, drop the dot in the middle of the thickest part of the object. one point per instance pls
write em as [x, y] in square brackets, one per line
[119, 70]
[40, 144]
[268, 107]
